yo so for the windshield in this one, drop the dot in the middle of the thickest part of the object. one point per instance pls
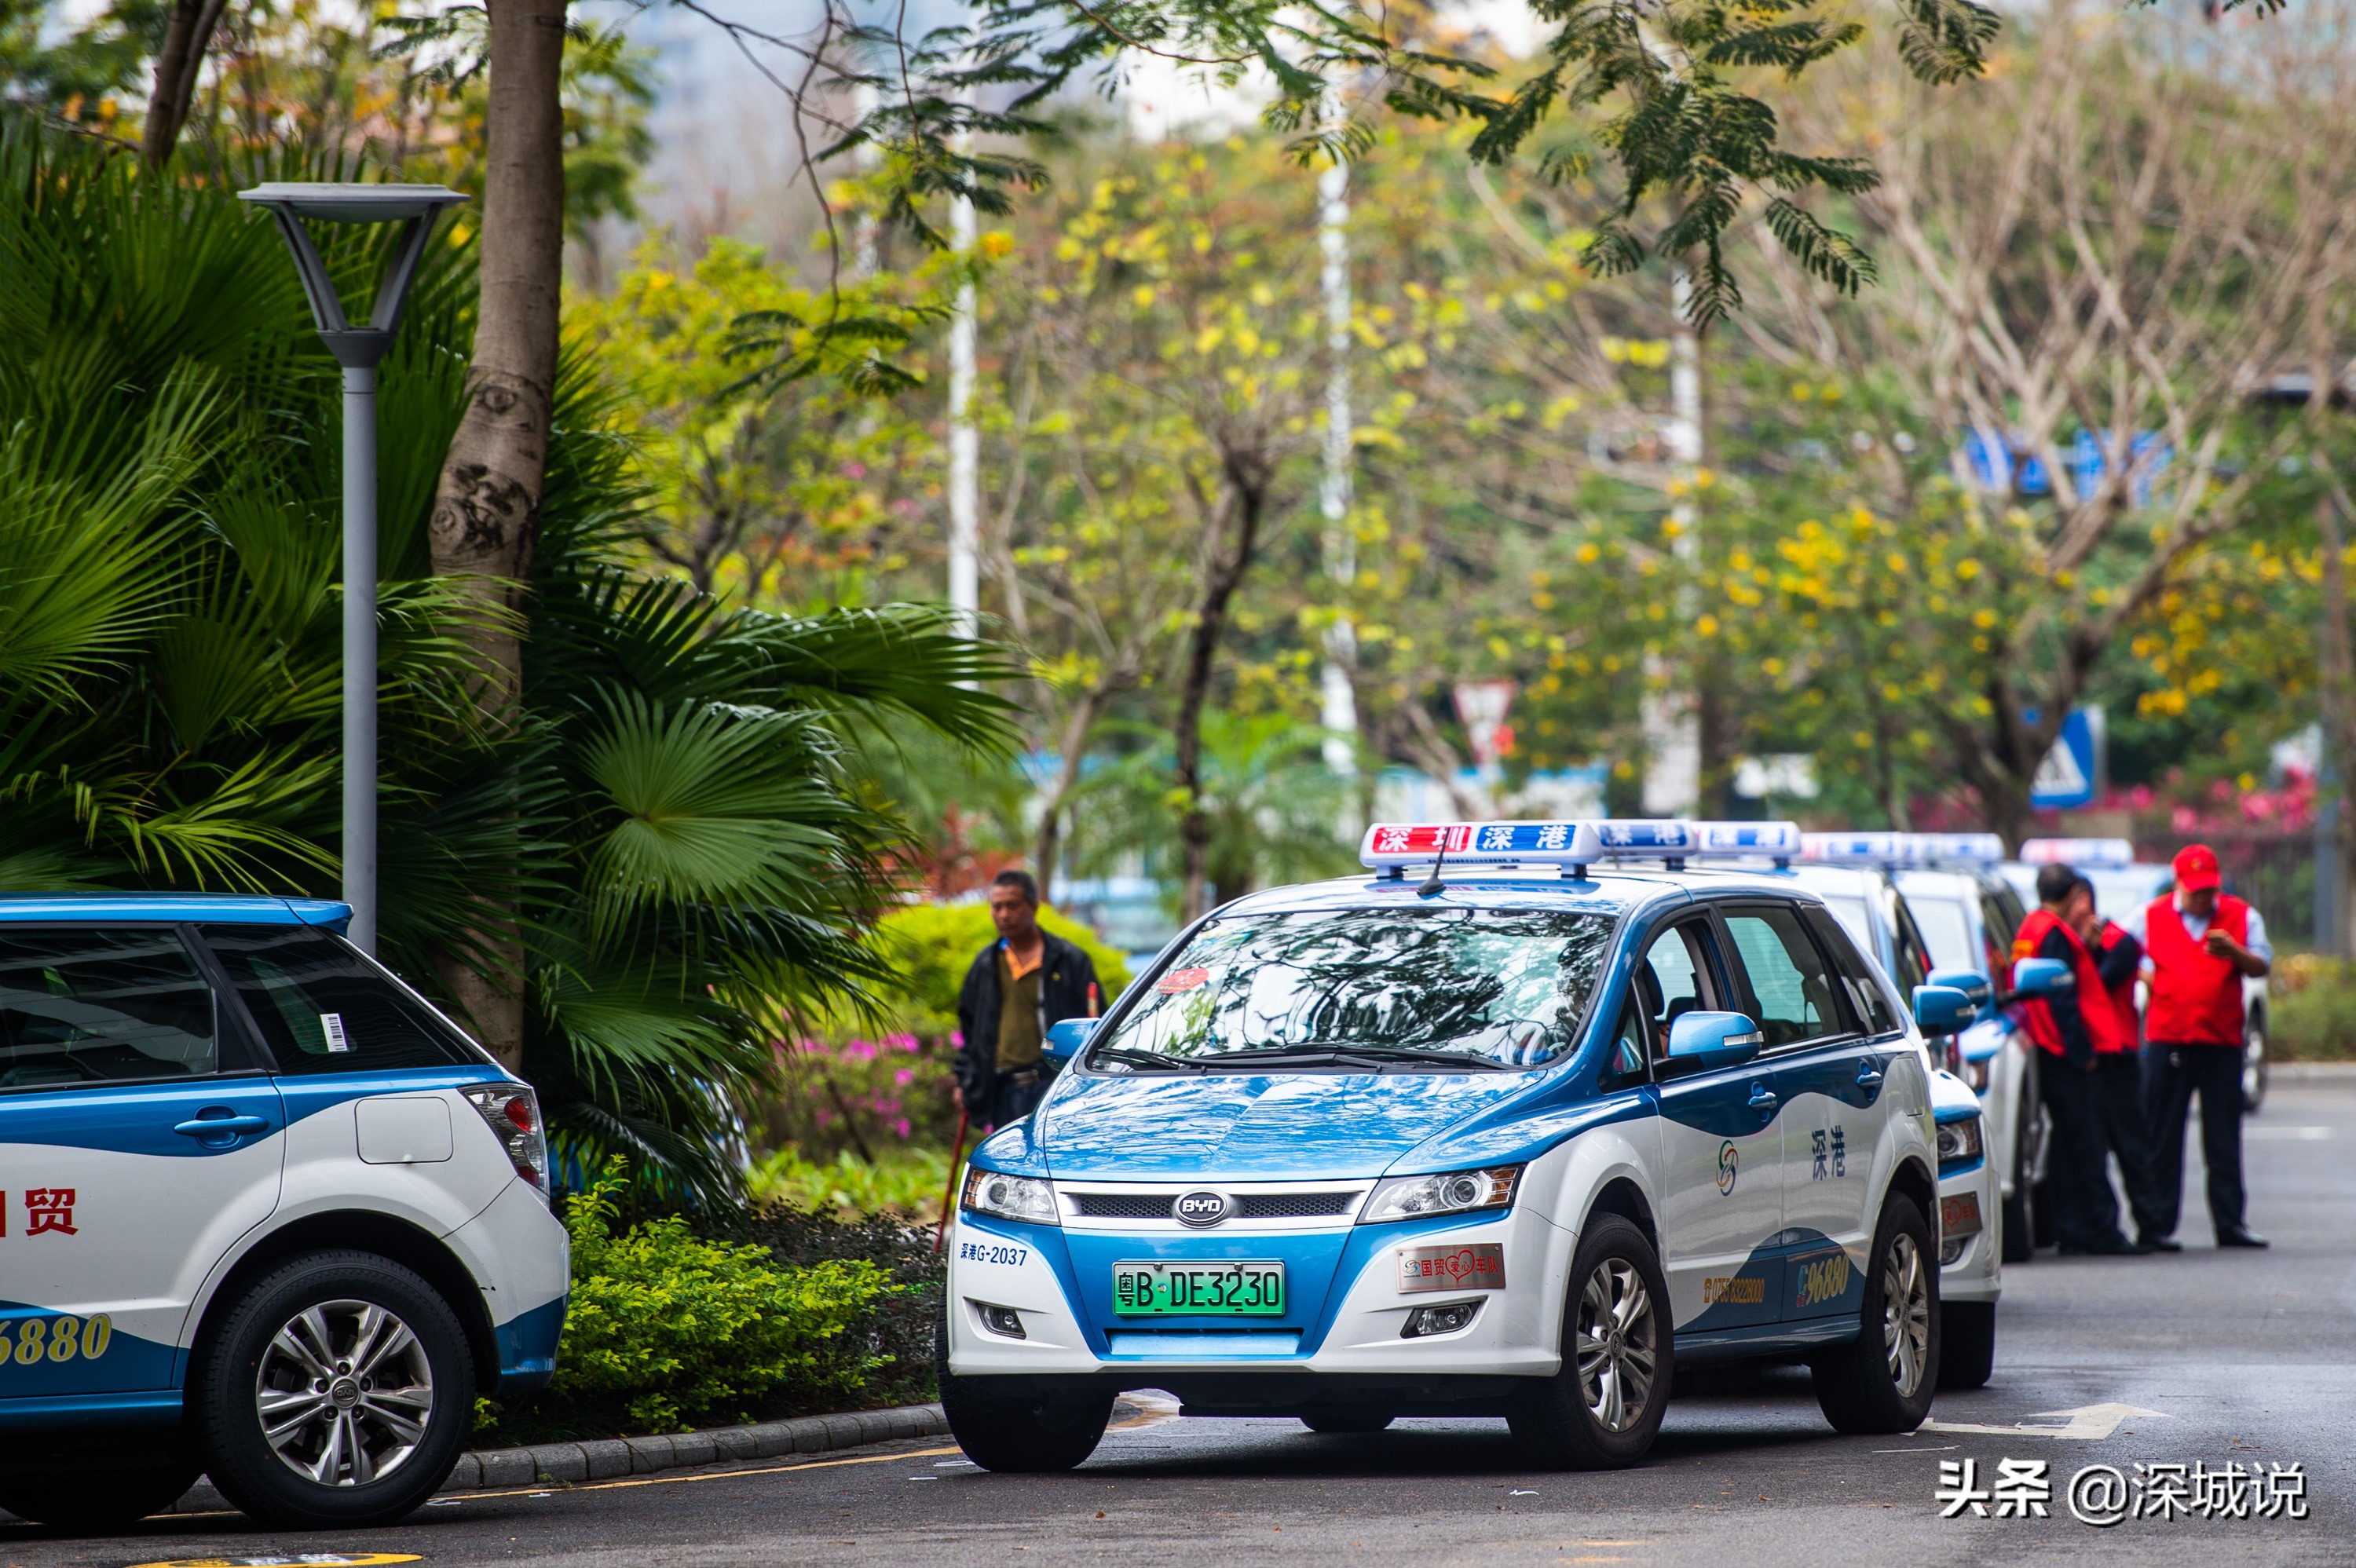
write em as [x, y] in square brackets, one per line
[1398, 988]
[1947, 931]
[1850, 912]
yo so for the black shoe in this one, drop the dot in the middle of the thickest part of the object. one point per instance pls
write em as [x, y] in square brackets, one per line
[2160, 1244]
[2240, 1236]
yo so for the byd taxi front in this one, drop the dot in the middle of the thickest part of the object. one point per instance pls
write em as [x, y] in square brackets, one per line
[1502, 1138]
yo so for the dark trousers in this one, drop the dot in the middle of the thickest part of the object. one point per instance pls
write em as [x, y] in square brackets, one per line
[1014, 1096]
[2215, 1071]
[2126, 1131]
[2085, 1215]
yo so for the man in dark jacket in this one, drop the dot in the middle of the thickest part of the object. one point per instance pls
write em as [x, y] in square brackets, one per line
[1019, 986]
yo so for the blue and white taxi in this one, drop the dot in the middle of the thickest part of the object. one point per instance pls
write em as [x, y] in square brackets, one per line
[266, 1214]
[1510, 1127]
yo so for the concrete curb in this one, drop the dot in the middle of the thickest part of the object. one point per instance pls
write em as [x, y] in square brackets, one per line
[2293, 1071]
[555, 1464]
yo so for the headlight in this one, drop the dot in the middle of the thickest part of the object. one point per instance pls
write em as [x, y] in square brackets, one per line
[1010, 1197]
[1457, 1191]
[1959, 1142]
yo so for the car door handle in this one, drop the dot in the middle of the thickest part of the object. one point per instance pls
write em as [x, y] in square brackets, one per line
[231, 1127]
[1762, 1098]
[1868, 1076]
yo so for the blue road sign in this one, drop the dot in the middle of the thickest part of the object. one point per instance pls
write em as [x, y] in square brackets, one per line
[2067, 776]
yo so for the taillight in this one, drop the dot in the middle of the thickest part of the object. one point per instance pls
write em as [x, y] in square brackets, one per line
[512, 1112]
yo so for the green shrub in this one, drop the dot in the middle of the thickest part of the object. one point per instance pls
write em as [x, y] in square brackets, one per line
[2314, 1011]
[903, 1182]
[666, 1326]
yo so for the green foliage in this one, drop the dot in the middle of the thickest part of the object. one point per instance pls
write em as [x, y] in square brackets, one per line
[666, 1326]
[902, 1181]
[2313, 1010]
[931, 947]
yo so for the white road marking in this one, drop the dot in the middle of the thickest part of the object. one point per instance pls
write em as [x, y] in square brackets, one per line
[2087, 1423]
[2297, 1135]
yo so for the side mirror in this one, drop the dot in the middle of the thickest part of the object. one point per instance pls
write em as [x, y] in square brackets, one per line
[1942, 1009]
[1064, 1040]
[1970, 982]
[1714, 1039]
[2041, 977]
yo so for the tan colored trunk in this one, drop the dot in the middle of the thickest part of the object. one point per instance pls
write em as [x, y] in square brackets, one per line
[188, 33]
[487, 505]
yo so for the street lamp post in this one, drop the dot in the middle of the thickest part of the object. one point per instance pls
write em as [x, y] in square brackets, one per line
[359, 350]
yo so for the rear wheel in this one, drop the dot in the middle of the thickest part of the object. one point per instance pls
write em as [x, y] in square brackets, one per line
[337, 1392]
[1604, 1408]
[97, 1499]
[1883, 1381]
[1346, 1422]
[1015, 1434]
[1966, 1343]
[2254, 1064]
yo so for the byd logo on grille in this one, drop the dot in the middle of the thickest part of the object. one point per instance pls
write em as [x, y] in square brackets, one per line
[1201, 1208]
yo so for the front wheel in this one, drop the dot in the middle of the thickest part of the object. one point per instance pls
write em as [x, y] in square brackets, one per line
[337, 1392]
[1604, 1408]
[1012, 1433]
[1966, 1343]
[2253, 1065]
[97, 1499]
[1882, 1380]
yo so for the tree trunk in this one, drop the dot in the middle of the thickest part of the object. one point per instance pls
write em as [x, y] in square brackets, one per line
[1246, 482]
[1049, 844]
[188, 33]
[2337, 672]
[487, 504]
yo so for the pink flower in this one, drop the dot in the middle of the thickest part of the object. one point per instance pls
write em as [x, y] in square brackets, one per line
[905, 1076]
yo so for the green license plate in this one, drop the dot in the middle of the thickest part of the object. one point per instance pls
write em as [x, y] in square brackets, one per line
[1198, 1290]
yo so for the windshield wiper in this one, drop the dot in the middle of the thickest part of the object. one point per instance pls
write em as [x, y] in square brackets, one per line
[1153, 1059]
[1374, 1056]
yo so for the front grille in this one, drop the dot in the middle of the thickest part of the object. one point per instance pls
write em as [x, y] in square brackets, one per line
[1293, 1205]
[1123, 1205]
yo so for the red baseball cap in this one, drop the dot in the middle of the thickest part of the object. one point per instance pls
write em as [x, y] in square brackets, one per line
[2196, 868]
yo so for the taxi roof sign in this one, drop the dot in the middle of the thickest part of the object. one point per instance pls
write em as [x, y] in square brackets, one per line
[1859, 848]
[1962, 848]
[2080, 852]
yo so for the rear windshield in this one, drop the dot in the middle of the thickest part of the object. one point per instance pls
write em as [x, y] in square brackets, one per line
[1399, 989]
[325, 1008]
[1947, 931]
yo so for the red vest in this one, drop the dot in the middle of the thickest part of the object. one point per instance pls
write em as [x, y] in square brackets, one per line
[2195, 1000]
[2093, 1002]
[2122, 1002]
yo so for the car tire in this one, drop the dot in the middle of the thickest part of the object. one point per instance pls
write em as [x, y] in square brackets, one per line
[368, 1448]
[1604, 1409]
[2018, 1232]
[1347, 1423]
[97, 1499]
[1966, 1344]
[2254, 1064]
[1017, 1435]
[1883, 1381]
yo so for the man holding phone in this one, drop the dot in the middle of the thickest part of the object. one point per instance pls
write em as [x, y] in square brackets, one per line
[2199, 942]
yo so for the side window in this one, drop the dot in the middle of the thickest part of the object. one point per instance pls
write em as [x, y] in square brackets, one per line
[1671, 980]
[1914, 954]
[325, 1008]
[97, 1006]
[1788, 978]
[1865, 990]
[1999, 921]
[1625, 1064]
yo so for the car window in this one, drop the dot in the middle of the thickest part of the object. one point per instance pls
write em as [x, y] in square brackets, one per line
[323, 1008]
[1866, 997]
[1912, 953]
[1673, 979]
[1946, 926]
[1506, 987]
[1999, 919]
[1625, 1064]
[1789, 980]
[93, 1007]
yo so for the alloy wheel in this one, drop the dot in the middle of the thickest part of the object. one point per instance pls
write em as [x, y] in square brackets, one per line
[1905, 1314]
[345, 1393]
[1616, 1345]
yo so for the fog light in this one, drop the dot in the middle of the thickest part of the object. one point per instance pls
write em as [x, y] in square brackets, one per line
[1003, 1320]
[1950, 1250]
[1427, 1321]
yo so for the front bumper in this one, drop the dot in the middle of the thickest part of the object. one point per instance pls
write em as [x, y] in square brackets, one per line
[1971, 1221]
[1345, 1307]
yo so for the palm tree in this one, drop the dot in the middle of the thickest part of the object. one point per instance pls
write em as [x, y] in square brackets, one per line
[679, 813]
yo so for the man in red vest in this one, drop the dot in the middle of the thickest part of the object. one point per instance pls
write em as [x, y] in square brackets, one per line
[2118, 1075]
[2199, 942]
[2075, 1027]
